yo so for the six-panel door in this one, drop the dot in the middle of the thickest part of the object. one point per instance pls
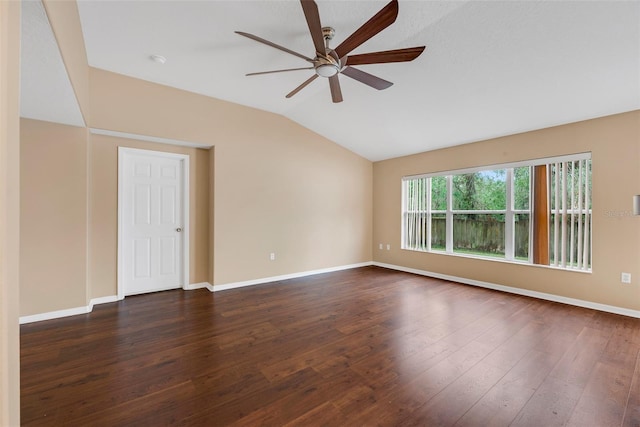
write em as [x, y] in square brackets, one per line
[152, 228]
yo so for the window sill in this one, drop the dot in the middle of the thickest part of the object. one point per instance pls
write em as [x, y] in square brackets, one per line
[500, 260]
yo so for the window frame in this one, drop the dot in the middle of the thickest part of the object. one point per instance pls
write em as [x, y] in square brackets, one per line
[510, 212]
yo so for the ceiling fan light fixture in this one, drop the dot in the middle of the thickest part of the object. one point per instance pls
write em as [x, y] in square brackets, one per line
[327, 70]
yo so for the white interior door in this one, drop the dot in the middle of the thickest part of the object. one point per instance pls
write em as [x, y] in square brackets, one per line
[152, 221]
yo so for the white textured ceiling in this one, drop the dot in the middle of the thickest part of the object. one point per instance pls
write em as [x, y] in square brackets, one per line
[45, 89]
[491, 68]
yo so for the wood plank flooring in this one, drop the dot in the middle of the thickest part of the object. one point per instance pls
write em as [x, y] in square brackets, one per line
[361, 347]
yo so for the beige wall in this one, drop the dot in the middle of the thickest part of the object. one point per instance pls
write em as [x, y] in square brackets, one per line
[69, 215]
[53, 213]
[269, 185]
[278, 187]
[292, 193]
[103, 228]
[9, 213]
[615, 145]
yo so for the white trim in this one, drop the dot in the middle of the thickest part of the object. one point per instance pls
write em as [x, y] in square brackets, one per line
[462, 280]
[448, 243]
[122, 152]
[234, 285]
[102, 300]
[149, 138]
[89, 308]
[216, 288]
[69, 311]
[114, 298]
[87, 211]
[119, 250]
[54, 314]
[200, 285]
[503, 260]
[509, 217]
[517, 291]
[532, 162]
[560, 212]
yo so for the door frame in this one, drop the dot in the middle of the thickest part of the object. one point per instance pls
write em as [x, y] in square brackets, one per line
[123, 152]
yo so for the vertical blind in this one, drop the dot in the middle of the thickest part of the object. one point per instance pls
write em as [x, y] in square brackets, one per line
[416, 213]
[571, 214]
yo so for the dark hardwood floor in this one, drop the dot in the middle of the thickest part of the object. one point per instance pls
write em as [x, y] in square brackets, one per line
[366, 347]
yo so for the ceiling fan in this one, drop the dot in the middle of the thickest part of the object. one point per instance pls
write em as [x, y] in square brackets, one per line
[329, 62]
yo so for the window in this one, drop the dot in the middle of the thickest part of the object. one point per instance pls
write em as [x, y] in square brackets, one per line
[533, 212]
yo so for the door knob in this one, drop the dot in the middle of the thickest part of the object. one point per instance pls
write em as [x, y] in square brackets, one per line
[178, 229]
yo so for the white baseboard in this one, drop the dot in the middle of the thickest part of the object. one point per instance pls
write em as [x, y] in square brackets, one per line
[54, 314]
[216, 288]
[518, 291]
[200, 285]
[102, 300]
[89, 308]
[234, 285]
[212, 288]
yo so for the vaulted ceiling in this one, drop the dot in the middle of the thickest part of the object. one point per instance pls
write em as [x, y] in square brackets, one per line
[491, 68]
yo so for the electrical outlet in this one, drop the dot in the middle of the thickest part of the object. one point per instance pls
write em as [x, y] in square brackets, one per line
[380, 246]
[625, 277]
[388, 247]
[272, 256]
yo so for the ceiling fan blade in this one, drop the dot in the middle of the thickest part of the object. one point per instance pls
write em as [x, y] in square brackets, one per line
[398, 55]
[268, 43]
[381, 20]
[336, 93]
[310, 9]
[278, 71]
[302, 86]
[366, 78]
